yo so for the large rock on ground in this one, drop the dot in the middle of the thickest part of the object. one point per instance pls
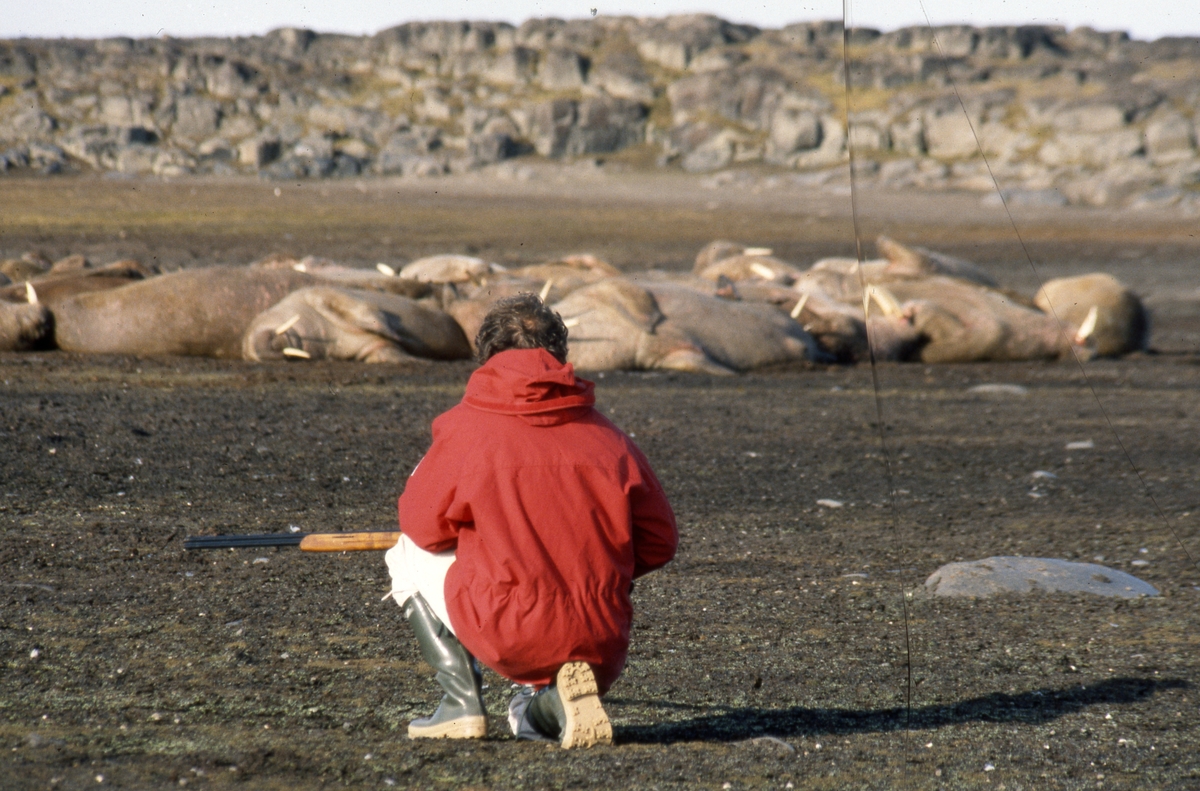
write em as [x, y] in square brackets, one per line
[990, 576]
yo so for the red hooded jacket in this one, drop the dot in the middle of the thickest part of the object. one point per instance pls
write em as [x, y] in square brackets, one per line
[552, 511]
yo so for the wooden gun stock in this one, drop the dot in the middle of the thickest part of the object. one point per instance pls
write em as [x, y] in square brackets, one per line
[345, 542]
[308, 542]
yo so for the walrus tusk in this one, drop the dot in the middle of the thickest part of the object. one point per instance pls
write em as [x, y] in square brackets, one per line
[763, 271]
[757, 251]
[386, 270]
[573, 322]
[886, 302]
[545, 292]
[31, 293]
[799, 306]
[300, 353]
[300, 267]
[287, 325]
[1088, 327]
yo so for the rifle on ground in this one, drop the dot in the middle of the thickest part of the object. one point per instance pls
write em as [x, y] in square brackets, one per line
[308, 542]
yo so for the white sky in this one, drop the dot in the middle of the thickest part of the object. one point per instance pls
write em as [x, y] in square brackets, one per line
[1144, 19]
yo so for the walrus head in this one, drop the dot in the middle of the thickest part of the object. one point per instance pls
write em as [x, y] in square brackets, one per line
[25, 326]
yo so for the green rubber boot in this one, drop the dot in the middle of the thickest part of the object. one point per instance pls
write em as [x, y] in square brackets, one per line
[570, 710]
[460, 715]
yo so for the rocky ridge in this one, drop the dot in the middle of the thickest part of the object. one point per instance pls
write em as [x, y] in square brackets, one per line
[1064, 116]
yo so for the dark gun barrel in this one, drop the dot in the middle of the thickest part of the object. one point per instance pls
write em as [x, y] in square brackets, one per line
[256, 540]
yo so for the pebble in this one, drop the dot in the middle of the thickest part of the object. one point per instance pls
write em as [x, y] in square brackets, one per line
[1085, 444]
[830, 503]
[999, 389]
[1044, 474]
[773, 743]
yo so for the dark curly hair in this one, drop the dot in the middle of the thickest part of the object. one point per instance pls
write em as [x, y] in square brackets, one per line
[521, 322]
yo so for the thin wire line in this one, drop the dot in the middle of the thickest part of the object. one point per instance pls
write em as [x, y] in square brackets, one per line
[1037, 275]
[887, 460]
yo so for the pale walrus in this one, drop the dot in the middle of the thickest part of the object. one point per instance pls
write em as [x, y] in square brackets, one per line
[1111, 319]
[24, 326]
[323, 323]
[961, 322]
[617, 324]
[54, 287]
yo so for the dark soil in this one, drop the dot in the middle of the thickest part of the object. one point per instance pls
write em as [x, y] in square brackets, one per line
[775, 650]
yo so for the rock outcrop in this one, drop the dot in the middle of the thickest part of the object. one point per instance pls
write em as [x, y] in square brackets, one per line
[1076, 116]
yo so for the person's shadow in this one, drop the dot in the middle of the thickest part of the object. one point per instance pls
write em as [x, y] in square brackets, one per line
[728, 724]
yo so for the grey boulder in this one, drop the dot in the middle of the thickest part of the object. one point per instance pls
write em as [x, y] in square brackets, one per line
[990, 576]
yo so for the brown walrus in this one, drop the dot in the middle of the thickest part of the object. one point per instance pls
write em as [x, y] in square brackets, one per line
[202, 312]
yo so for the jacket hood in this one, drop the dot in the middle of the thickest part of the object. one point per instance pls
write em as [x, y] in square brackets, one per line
[532, 384]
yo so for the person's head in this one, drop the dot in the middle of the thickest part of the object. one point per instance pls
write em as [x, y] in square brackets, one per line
[521, 322]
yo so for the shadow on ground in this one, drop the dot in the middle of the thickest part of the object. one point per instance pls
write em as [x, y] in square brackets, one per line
[1032, 707]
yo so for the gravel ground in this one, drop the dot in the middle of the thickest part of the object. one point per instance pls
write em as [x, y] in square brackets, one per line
[775, 650]
[771, 651]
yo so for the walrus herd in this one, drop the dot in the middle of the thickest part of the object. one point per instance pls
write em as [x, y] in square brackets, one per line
[740, 308]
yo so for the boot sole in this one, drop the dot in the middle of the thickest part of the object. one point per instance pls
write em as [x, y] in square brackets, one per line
[461, 728]
[587, 723]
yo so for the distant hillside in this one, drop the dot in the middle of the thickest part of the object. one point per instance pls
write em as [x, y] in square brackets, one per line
[1079, 116]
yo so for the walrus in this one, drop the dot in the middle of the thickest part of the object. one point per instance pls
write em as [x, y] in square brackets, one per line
[843, 279]
[201, 312]
[24, 326]
[840, 329]
[1111, 318]
[962, 322]
[566, 274]
[618, 324]
[468, 302]
[917, 262]
[715, 251]
[738, 335]
[322, 323]
[382, 278]
[55, 286]
[25, 268]
[449, 268]
[751, 266]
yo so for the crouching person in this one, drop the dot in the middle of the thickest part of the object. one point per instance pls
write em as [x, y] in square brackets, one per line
[524, 527]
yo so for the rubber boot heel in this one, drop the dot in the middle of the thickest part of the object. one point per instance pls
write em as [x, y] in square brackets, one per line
[586, 721]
